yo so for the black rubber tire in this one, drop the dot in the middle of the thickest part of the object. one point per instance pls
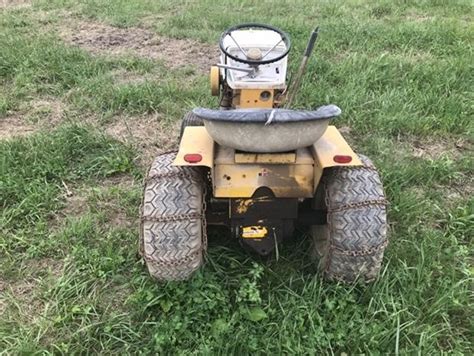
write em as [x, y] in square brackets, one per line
[173, 237]
[351, 245]
[189, 119]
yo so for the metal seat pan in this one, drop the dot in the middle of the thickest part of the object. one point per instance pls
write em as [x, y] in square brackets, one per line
[257, 130]
[268, 116]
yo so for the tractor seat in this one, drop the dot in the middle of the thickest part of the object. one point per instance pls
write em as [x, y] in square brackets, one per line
[268, 116]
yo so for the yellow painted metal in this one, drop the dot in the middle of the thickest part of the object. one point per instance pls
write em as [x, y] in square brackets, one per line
[215, 81]
[330, 144]
[196, 140]
[288, 175]
[253, 98]
[254, 232]
[291, 180]
[272, 158]
[241, 181]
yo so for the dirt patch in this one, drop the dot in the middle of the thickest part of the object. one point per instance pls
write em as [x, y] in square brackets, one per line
[38, 114]
[101, 197]
[411, 56]
[460, 188]
[76, 205]
[118, 218]
[109, 200]
[122, 181]
[124, 77]
[146, 133]
[40, 266]
[116, 298]
[432, 149]
[14, 126]
[100, 38]
[15, 4]
[48, 112]
[416, 17]
[24, 291]
[77, 198]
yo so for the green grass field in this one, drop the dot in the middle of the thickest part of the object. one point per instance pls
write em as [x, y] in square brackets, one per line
[91, 90]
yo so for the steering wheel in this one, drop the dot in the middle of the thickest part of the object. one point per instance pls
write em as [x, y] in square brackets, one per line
[248, 26]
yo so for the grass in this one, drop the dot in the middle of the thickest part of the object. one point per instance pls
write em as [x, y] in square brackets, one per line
[70, 277]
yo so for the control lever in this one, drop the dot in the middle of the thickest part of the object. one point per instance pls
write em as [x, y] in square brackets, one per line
[296, 82]
[250, 71]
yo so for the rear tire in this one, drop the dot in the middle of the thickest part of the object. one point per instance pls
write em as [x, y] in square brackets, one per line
[190, 119]
[173, 237]
[351, 245]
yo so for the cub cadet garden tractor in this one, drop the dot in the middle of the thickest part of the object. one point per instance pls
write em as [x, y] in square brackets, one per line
[261, 169]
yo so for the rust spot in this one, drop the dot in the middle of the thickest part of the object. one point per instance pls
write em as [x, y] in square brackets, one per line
[244, 205]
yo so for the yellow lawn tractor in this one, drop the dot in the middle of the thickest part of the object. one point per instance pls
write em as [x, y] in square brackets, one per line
[260, 168]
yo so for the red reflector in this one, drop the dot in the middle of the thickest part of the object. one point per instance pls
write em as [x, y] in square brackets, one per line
[193, 157]
[342, 159]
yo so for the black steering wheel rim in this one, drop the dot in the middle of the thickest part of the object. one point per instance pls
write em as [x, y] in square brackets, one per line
[285, 37]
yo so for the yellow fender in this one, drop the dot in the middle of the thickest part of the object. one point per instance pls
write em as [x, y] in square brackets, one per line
[195, 140]
[326, 150]
[330, 146]
[197, 148]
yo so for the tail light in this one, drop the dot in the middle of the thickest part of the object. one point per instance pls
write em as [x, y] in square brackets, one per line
[342, 159]
[193, 157]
